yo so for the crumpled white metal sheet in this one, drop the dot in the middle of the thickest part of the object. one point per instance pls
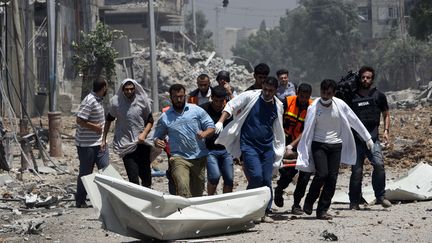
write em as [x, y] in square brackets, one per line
[143, 213]
[415, 185]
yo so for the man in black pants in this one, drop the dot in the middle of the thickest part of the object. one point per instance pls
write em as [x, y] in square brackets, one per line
[131, 107]
[327, 141]
[295, 109]
[369, 103]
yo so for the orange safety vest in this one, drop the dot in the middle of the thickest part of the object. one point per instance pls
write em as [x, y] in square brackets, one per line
[293, 119]
[193, 100]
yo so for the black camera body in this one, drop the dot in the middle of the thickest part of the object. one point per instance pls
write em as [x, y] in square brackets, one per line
[347, 86]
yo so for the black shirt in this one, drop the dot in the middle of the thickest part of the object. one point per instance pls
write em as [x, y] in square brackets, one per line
[380, 101]
[215, 115]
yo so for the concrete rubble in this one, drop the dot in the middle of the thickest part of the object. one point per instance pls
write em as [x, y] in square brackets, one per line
[179, 67]
[410, 98]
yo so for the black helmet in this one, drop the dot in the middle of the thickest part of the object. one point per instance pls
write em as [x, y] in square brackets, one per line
[223, 74]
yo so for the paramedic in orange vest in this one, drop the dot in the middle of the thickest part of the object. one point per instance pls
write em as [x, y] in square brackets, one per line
[295, 109]
[202, 94]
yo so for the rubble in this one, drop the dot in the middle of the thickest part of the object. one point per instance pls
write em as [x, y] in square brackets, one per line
[410, 98]
[178, 67]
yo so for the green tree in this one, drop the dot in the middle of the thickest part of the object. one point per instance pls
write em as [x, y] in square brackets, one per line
[94, 55]
[204, 37]
[324, 39]
[320, 39]
[263, 46]
[401, 63]
[421, 19]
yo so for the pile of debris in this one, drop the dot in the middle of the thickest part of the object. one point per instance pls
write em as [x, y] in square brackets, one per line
[179, 67]
[410, 98]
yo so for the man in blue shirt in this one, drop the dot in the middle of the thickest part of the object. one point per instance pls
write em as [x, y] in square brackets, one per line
[285, 88]
[187, 126]
[258, 116]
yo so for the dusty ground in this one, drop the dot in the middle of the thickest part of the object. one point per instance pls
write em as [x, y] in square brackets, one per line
[407, 221]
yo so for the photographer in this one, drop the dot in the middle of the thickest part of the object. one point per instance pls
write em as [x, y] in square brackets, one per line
[368, 104]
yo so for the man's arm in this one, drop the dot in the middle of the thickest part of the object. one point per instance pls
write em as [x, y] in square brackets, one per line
[147, 128]
[296, 141]
[386, 118]
[90, 125]
[225, 115]
[160, 133]
[109, 118]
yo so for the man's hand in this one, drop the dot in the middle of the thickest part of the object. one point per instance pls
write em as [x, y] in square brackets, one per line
[98, 128]
[218, 127]
[228, 89]
[142, 137]
[289, 149]
[103, 145]
[369, 144]
[159, 143]
[386, 136]
[201, 135]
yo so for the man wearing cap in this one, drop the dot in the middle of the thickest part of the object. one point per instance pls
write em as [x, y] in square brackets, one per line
[223, 79]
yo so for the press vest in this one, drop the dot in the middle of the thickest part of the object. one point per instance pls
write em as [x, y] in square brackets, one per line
[366, 109]
[293, 119]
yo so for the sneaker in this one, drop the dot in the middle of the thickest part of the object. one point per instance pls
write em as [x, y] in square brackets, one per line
[296, 210]
[81, 205]
[385, 203]
[324, 216]
[278, 198]
[354, 206]
[266, 219]
[307, 208]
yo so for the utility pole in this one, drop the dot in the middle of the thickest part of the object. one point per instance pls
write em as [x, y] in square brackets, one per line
[194, 21]
[19, 45]
[218, 49]
[54, 117]
[155, 88]
[402, 19]
[52, 55]
[3, 45]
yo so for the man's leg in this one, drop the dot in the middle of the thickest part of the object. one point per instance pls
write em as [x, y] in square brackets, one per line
[299, 192]
[319, 154]
[180, 171]
[87, 157]
[286, 176]
[102, 160]
[144, 168]
[378, 175]
[213, 172]
[131, 166]
[267, 159]
[227, 169]
[252, 167]
[197, 176]
[333, 163]
[355, 192]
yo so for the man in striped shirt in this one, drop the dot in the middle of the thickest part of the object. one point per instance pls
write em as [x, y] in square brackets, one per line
[88, 138]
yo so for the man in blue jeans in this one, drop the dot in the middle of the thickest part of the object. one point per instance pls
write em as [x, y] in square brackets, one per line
[88, 139]
[219, 161]
[256, 132]
[369, 103]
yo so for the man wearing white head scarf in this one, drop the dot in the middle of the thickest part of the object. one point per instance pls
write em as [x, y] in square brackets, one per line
[131, 106]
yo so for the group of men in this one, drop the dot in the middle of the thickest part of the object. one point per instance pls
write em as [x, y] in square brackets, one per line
[273, 124]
